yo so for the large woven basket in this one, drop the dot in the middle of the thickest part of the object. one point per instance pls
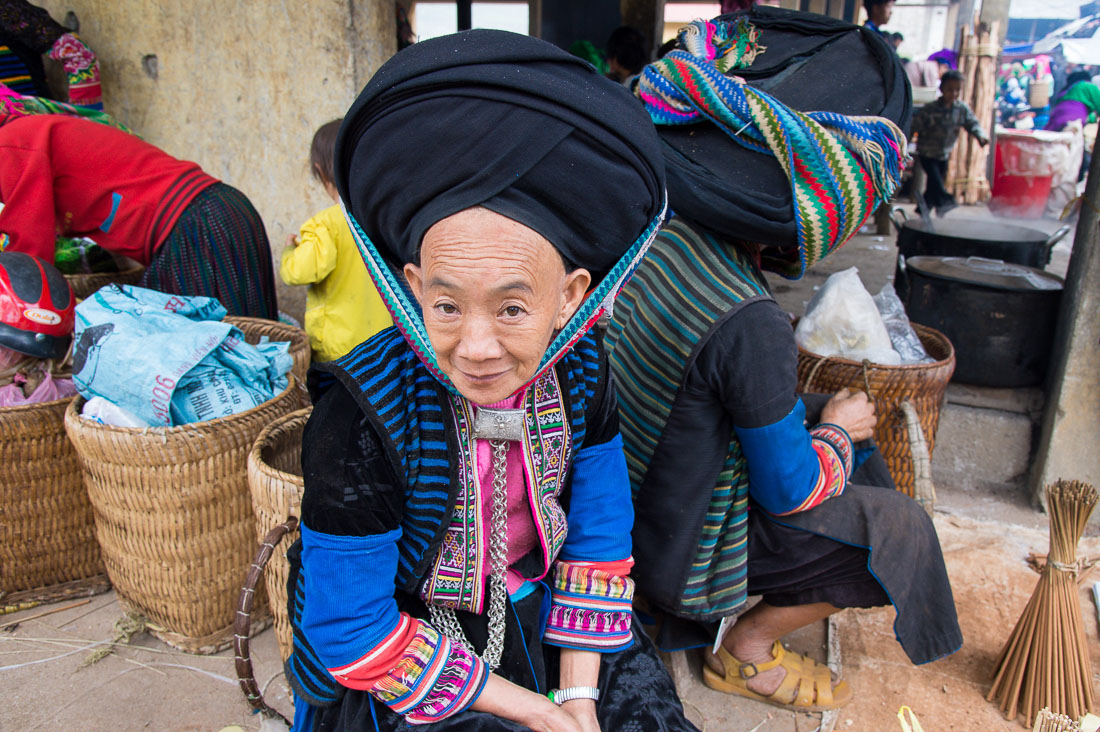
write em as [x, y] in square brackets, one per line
[85, 285]
[255, 328]
[922, 385]
[174, 517]
[48, 548]
[275, 479]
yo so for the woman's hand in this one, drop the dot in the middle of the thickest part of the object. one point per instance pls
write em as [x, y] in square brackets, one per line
[584, 712]
[506, 700]
[852, 411]
[291, 241]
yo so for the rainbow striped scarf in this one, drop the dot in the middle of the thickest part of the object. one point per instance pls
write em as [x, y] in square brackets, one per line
[841, 168]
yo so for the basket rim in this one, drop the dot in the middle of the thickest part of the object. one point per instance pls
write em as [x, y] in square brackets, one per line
[917, 327]
[80, 423]
[6, 411]
[255, 454]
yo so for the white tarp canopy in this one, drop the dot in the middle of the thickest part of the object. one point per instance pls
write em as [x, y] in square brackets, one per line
[1054, 9]
[1078, 41]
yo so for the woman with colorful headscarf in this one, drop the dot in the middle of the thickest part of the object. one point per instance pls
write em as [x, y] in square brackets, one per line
[741, 488]
[466, 519]
[27, 33]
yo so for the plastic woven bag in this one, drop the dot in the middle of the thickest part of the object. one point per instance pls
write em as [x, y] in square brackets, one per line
[138, 348]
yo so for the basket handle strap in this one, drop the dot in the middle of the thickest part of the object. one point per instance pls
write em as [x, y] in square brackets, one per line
[924, 490]
[242, 623]
[808, 387]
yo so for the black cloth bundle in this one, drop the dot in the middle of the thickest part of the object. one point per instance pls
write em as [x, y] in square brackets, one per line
[511, 123]
[812, 63]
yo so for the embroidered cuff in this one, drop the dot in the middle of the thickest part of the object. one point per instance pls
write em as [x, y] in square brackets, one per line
[433, 679]
[839, 440]
[589, 609]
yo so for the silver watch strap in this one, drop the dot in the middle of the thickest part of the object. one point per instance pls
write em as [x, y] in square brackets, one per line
[560, 696]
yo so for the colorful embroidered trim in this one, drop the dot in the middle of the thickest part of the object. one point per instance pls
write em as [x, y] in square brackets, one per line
[17, 105]
[838, 439]
[589, 609]
[408, 317]
[834, 455]
[434, 679]
[840, 168]
[82, 68]
[456, 577]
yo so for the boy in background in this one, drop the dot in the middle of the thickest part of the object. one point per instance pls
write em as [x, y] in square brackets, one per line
[936, 127]
[343, 308]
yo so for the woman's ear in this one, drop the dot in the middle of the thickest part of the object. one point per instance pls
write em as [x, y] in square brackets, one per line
[573, 291]
[412, 274]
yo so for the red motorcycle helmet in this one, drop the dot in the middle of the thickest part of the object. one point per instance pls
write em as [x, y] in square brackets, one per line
[36, 307]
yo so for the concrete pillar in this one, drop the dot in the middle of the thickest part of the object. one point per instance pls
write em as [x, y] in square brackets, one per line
[648, 16]
[1071, 418]
[238, 88]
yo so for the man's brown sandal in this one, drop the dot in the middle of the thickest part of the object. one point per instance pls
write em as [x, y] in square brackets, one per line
[807, 687]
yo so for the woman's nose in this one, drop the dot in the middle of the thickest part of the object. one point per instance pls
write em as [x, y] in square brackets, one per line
[478, 341]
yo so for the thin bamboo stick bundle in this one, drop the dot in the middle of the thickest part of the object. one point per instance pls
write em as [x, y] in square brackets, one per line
[1048, 721]
[1044, 665]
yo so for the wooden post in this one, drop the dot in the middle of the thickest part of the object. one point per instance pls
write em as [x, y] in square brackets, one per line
[1071, 416]
[648, 16]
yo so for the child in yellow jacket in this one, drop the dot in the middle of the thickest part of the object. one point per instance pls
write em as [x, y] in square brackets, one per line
[343, 308]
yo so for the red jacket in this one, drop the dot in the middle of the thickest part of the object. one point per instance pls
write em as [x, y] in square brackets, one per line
[65, 175]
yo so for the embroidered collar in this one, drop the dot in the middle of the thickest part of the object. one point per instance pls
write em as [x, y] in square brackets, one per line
[409, 318]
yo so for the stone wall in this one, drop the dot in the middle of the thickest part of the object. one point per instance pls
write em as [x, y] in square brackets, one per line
[238, 87]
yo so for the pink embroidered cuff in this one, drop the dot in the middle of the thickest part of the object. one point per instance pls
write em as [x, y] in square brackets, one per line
[839, 441]
[589, 609]
[834, 456]
[434, 678]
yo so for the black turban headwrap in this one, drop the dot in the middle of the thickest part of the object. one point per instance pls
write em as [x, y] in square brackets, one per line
[511, 123]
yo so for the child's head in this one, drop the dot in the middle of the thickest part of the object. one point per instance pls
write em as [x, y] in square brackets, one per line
[951, 86]
[321, 153]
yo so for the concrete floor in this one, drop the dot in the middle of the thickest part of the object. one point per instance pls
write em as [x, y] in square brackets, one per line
[986, 534]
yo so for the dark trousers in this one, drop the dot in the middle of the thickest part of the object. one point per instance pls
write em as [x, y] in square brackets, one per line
[935, 190]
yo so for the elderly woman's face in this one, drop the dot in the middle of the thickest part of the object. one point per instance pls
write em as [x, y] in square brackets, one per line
[493, 293]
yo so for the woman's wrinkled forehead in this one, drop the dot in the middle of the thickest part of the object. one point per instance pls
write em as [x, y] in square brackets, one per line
[480, 240]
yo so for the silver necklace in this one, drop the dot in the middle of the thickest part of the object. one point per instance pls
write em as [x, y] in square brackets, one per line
[498, 426]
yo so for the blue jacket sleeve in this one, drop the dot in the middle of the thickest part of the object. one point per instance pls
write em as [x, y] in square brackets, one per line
[349, 586]
[601, 513]
[783, 465]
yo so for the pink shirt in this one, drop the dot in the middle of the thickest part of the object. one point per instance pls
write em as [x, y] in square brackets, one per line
[522, 535]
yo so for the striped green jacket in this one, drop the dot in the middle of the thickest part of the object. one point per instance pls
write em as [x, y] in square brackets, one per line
[690, 549]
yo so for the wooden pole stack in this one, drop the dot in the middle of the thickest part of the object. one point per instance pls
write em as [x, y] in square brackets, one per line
[1045, 662]
[966, 170]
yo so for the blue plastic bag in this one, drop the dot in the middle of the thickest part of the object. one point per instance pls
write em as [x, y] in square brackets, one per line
[169, 359]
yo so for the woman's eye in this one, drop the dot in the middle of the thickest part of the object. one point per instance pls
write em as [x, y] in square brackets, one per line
[513, 311]
[446, 308]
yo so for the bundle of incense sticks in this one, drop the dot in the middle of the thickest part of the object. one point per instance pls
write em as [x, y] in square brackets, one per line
[1045, 662]
[1048, 721]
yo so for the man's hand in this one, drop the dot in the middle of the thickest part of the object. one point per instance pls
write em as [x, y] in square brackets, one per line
[852, 411]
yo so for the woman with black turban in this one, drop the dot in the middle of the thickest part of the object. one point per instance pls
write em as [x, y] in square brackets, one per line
[466, 520]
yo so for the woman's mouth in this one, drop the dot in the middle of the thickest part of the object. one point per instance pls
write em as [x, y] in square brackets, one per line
[482, 378]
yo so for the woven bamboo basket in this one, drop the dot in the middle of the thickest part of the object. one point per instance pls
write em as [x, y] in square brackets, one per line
[174, 518]
[85, 285]
[922, 385]
[275, 480]
[48, 549]
[255, 328]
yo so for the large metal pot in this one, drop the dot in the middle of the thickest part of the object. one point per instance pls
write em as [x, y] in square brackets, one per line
[974, 238]
[999, 316]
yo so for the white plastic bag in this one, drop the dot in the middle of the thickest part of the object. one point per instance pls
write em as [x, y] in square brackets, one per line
[842, 320]
[902, 335]
[100, 410]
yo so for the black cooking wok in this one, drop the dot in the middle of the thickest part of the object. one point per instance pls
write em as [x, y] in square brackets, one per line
[974, 238]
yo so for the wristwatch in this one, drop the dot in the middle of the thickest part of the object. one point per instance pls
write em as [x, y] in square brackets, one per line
[560, 696]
